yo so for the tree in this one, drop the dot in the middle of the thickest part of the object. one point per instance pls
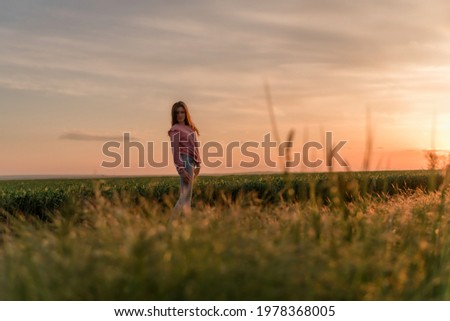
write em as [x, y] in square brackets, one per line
[432, 159]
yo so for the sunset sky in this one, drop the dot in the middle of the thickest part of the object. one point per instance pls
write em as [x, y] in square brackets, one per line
[76, 74]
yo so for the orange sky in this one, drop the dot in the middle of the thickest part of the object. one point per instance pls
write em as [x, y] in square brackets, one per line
[74, 75]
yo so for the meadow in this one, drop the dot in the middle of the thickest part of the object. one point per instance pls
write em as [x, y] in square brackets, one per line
[323, 236]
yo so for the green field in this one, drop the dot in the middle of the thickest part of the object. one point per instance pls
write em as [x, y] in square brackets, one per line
[328, 236]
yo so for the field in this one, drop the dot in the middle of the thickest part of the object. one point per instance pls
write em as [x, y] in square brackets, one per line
[327, 236]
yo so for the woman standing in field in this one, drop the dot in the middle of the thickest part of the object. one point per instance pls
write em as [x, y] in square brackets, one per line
[185, 153]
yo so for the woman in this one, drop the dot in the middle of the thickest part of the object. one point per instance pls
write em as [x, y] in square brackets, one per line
[185, 153]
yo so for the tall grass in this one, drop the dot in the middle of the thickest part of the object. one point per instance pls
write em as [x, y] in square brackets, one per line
[119, 249]
[42, 197]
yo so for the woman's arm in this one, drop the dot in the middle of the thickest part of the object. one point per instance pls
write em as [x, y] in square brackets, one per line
[198, 160]
[175, 143]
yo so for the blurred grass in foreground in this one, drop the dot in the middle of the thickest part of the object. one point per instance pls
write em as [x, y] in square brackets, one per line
[276, 243]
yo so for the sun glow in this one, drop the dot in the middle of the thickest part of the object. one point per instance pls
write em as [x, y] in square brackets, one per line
[443, 133]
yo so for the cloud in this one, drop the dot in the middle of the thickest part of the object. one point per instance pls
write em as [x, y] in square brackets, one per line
[320, 54]
[83, 136]
[325, 47]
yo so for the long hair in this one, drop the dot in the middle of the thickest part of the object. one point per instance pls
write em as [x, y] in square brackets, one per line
[187, 120]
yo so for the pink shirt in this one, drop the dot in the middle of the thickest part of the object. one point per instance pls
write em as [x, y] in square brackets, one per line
[184, 141]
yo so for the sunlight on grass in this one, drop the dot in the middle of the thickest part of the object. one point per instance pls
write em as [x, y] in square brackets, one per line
[126, 248]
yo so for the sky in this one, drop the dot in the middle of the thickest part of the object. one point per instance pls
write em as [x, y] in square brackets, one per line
[75, 75]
